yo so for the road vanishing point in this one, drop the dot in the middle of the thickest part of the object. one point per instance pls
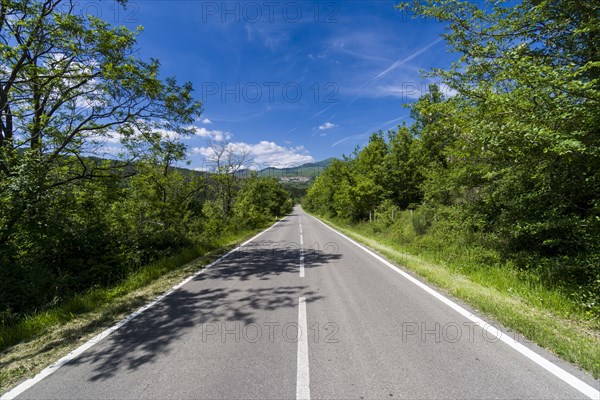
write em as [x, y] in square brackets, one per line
[301, 311]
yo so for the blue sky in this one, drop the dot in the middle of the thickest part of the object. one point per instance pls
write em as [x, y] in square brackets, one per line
[290, 81]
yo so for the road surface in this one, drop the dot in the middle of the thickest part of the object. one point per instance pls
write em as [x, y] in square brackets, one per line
[302, 312]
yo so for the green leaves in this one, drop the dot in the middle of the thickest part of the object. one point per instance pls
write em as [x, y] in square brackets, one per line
[259, 201]
[515, 153]
[69, 220]
[381, 170]
[83, 78]
[526, 115]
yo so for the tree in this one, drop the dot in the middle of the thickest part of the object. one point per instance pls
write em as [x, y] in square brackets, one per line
[67, 83]
[404, 177]
[431, 126]
[326, 195]
[259, 201]
[227, 160]
[525, 120]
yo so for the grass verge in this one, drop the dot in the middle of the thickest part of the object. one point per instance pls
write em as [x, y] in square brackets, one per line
[42, 338]
[543, 315]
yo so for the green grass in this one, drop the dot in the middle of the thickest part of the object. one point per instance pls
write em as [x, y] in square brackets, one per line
[41, 338]
[518, 300]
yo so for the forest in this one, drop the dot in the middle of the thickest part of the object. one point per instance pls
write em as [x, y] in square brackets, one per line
[76, 214]
[506, 165]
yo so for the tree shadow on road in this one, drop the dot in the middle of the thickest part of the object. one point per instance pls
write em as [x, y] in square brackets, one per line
[265, 259]
[210, 297]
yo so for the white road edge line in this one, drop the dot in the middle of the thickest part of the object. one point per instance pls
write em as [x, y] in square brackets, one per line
[554, 369]
[14, 392]
[302, 375]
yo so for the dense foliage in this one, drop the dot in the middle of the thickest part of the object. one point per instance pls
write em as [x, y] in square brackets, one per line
[512, 160]
[70, 86]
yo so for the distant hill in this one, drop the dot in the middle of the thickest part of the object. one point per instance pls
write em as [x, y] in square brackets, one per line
[311, 170]
[308, 170]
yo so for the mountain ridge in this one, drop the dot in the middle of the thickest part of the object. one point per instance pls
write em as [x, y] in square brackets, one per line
[310, 170]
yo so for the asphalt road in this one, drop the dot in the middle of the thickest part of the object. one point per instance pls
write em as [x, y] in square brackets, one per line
[303, 312]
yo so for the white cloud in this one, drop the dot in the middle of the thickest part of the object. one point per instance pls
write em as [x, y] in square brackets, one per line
[111, 137]
[327, 125]
[114, 138]
[264, 154]
[171, 135]
[447, 90]
[216, 135]
[405, 90]
[111, 150]
[206, 121]
[408, 91]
